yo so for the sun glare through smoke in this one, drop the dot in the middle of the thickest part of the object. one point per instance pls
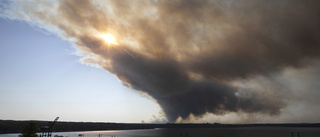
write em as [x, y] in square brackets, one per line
[109, 39]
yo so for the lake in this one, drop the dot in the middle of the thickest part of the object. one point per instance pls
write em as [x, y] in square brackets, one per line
[197, 132]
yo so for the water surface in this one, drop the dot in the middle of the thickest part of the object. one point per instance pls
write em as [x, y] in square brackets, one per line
[196, 132]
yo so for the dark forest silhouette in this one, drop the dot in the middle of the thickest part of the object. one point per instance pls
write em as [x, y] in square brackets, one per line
[10, 126]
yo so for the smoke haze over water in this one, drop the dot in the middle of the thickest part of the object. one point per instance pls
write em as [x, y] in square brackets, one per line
[195, 57]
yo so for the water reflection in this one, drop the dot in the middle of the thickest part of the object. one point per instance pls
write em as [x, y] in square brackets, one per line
[195, 132]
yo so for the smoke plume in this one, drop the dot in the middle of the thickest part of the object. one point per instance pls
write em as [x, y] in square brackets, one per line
[187, 53]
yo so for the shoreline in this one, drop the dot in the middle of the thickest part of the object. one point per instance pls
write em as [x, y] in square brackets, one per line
[11, 126]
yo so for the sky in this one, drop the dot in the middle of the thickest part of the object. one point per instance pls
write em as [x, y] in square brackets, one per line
[42, 78]
[166, 61]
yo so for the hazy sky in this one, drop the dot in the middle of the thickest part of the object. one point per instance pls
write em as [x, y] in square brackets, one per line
[177, 61]
[42, 78]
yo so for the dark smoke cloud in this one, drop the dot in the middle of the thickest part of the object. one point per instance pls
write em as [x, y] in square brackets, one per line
[179, 95]
[185, 53]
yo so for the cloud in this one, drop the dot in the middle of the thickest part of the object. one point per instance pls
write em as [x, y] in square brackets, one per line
[187, 55]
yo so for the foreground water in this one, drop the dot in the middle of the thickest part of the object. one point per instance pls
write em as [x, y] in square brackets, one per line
[196, 132]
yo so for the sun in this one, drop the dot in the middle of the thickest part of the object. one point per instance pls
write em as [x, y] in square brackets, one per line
[108, 38]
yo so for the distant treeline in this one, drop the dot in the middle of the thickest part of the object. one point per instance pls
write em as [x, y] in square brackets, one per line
[10, 126]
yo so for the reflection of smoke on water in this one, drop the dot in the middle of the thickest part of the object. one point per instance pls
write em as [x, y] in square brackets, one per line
[195, 132]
